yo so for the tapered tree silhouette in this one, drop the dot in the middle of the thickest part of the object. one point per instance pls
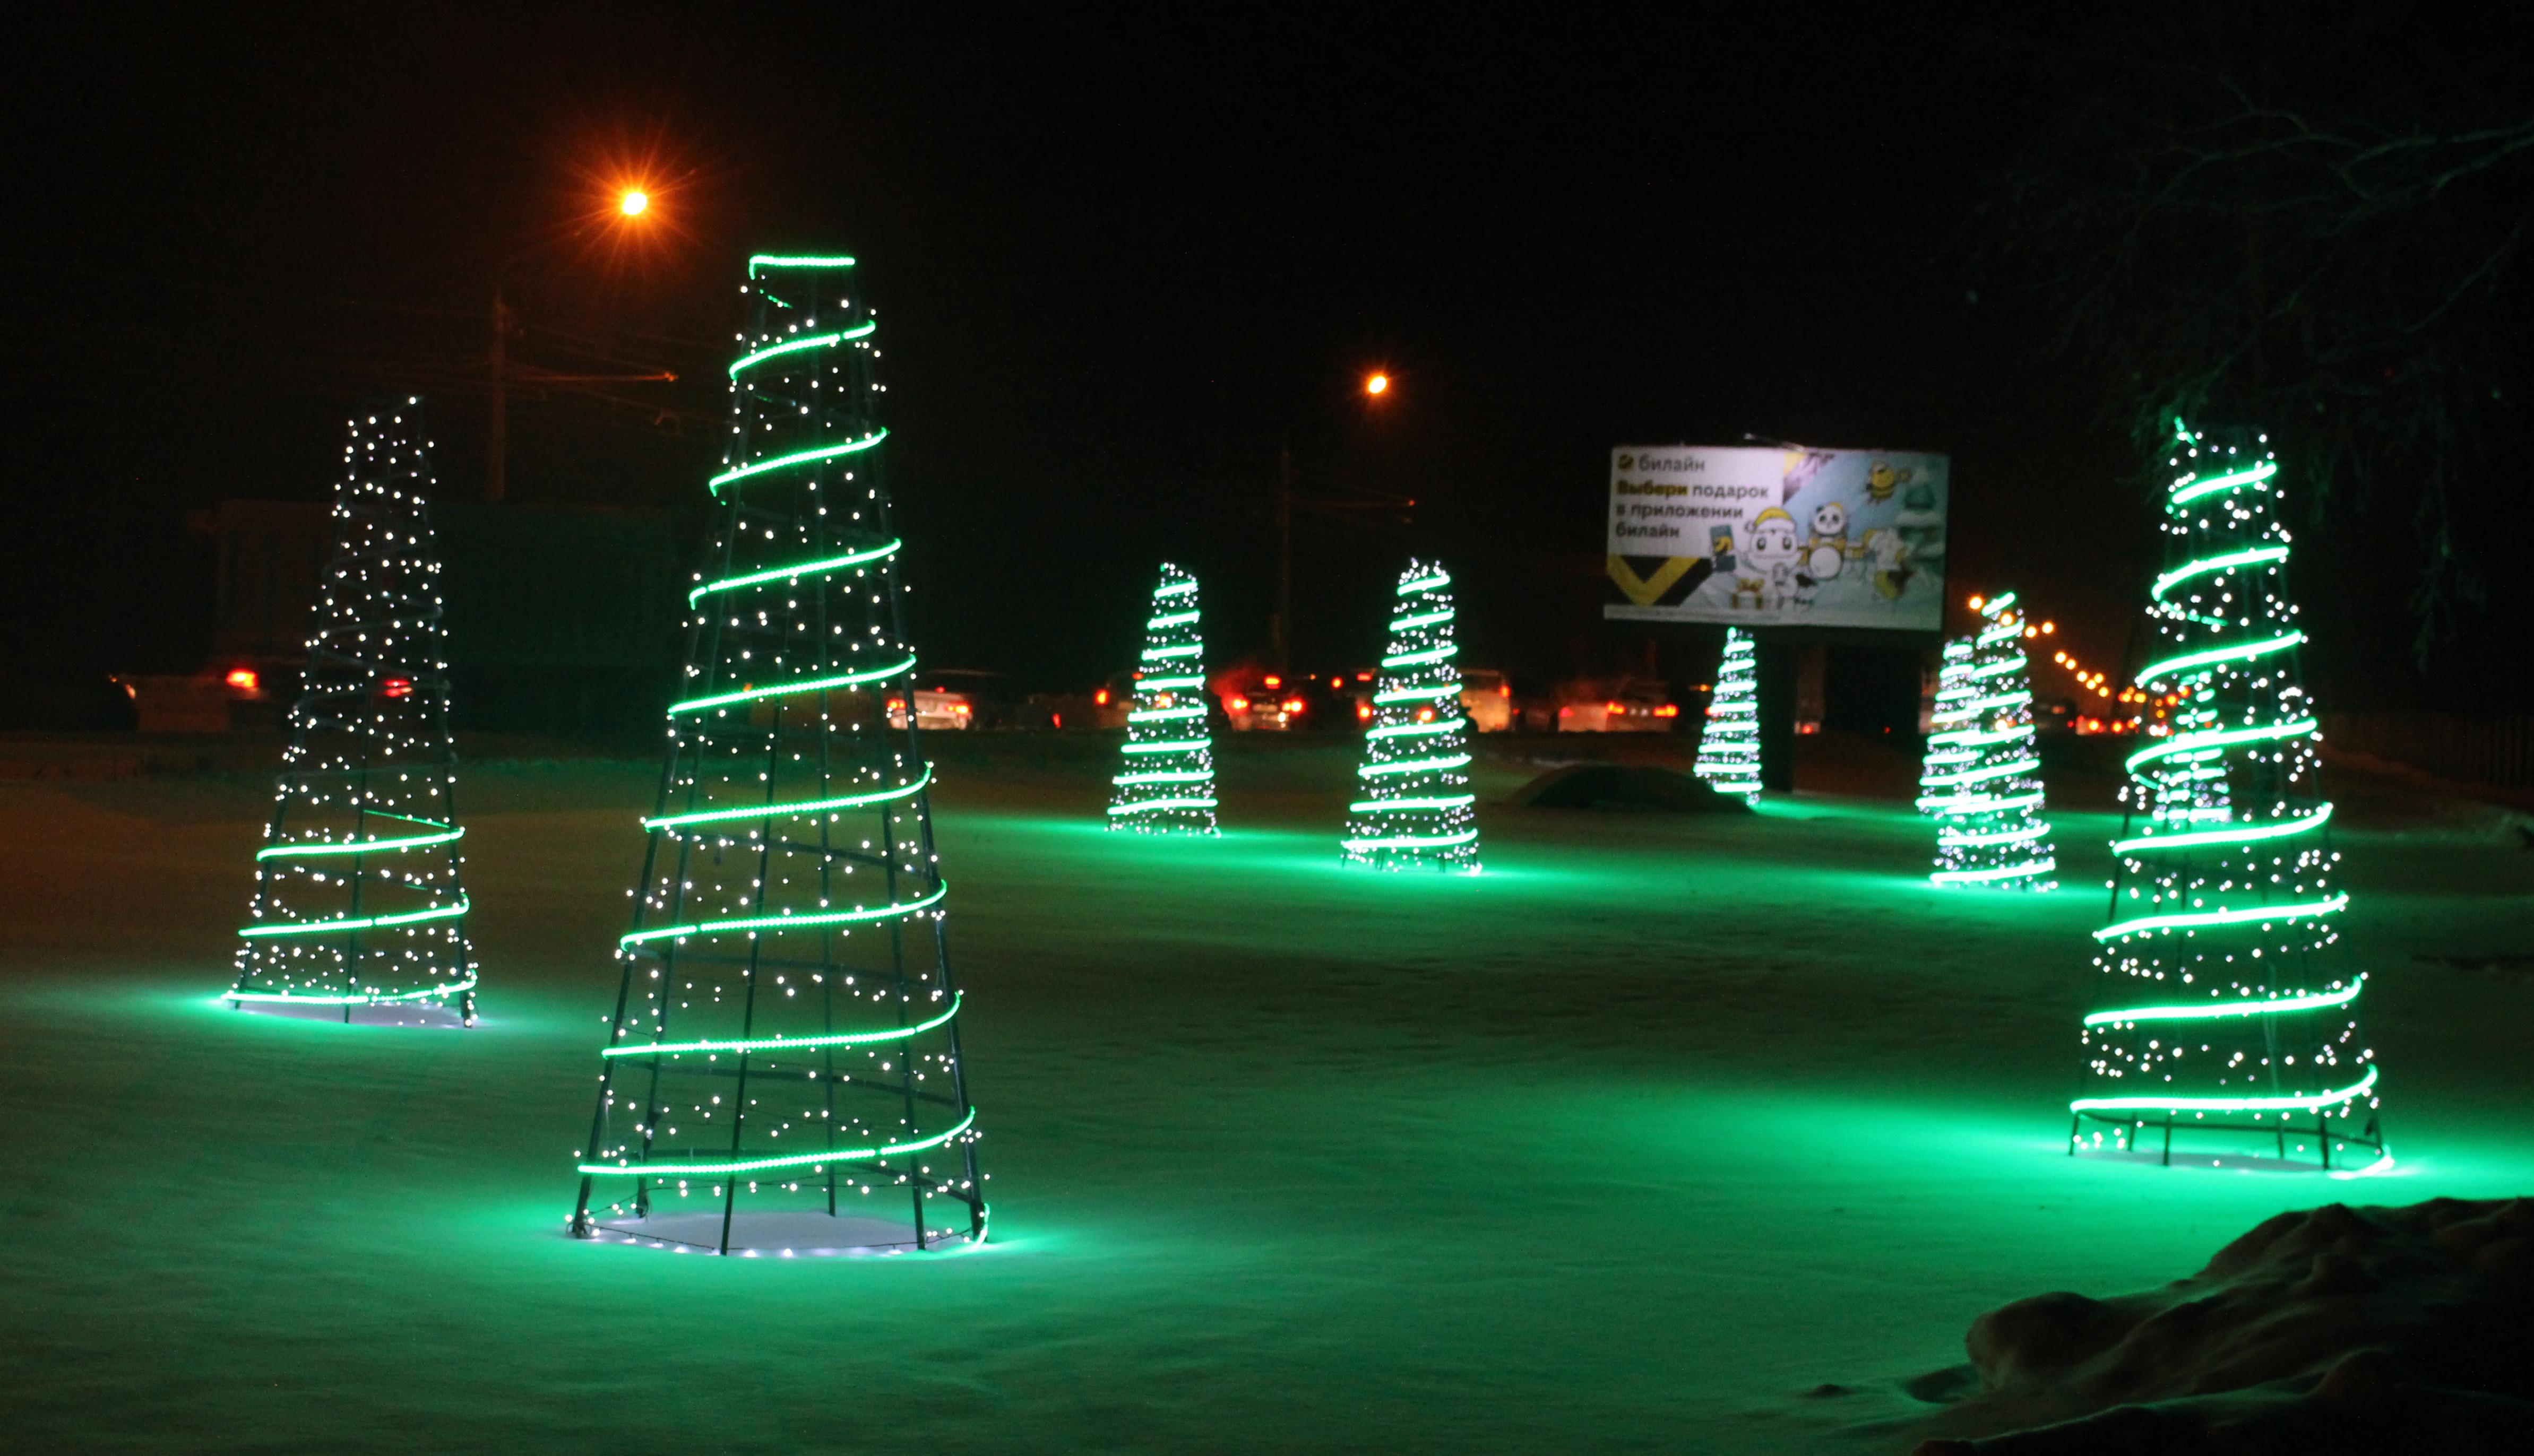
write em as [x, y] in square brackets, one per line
[1417, 811]
[1166, 785]
[787, 1028]
[358, 905]
[1983, 766]
[2227, 1005]
[1729, 745]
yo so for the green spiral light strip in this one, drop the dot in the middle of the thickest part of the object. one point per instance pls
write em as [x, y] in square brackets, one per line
[355, 923]
[795, 1160]
[826, 683]
[2264, 1005]
[785, 1044]
[795, 571]
[813, 456]
[1417, 811]
[2301, 1102]
[2224, 891]
[794, 806]
[753, 924]
[861, 331]
[443, 833]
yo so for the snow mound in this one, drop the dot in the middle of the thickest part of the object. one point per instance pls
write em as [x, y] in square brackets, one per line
[2337, 1329]
[1603, 785]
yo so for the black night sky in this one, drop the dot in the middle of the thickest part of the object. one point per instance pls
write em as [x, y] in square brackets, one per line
[1121, 259]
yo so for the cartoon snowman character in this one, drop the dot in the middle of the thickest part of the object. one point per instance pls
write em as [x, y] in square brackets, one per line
[1770, 550]
[1887, 558]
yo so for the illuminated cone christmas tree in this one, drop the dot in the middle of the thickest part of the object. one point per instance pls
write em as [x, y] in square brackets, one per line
[783, 1072]
[357, 899]
[1415, 812]
[1944, 757]
[2228, 1009]
[1167, 783]
[1984, 769]
[1728, 746]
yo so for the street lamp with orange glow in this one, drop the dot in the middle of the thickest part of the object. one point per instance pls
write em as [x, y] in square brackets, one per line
[633, 209]
[1377, 384]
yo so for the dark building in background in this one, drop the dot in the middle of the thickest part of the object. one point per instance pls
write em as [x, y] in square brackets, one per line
[561, 620]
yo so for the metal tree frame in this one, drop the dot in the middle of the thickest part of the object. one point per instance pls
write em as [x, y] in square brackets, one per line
[358, 900]
[791, 813]
[2236, 780]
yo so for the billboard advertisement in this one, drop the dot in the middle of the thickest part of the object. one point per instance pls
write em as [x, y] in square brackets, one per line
[1763, 536]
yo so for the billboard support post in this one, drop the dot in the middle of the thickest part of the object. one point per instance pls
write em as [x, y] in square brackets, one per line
[1779, 660]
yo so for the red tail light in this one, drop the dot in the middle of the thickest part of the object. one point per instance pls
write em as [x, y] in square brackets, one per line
[1364, 712]
[1292, 704]
[1667, 709]
[1504, 689]
[242, 678]
[1100, 697]
[396, 687]
[1274, 682]
[1619, 708]
[1236, 704]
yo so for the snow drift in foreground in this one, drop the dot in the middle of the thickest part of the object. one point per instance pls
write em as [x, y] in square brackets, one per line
[2338, 1329]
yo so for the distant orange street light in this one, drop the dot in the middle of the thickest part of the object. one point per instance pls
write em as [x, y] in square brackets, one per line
[632, 202]
[1376, 384]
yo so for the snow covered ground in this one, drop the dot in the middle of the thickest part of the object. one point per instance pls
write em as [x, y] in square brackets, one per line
[1700, 1133]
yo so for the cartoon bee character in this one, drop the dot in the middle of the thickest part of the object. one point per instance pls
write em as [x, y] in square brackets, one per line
[1882, 480]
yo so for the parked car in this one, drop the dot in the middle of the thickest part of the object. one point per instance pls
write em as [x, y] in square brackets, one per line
[1265, 703]
[954, 698]
[1635, 706]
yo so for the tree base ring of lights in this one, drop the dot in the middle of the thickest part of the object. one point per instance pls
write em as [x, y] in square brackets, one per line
[777, 1234]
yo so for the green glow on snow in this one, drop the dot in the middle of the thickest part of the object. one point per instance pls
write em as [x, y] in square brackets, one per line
[327, 999]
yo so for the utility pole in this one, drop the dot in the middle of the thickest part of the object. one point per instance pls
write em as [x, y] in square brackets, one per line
[497, 464]
[1281, 628]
